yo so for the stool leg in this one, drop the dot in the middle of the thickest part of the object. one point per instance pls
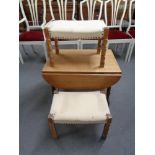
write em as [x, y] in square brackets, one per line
[99, 46]
[56, 45]
[52, 128]
[106, 126]
[104, 46]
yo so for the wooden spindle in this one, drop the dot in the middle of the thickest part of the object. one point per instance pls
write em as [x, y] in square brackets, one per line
[99, 46]
[104, 46]
[56, 45]
[49, 46]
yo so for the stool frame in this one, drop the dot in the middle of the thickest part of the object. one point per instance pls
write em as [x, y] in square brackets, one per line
[101, 49]
[51, 123]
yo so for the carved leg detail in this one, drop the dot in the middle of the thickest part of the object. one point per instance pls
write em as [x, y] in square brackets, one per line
[52, 128]
[104, 46]
[49, 46]
[107, 126]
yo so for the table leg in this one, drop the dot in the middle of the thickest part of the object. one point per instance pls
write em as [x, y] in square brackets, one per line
[108, 94]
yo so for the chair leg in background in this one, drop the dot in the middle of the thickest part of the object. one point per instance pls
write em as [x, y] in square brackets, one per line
[23, 48]
[45, 51]
[115, 48]
[52, 128]
[20, 58]
[128, 52]
[123, 47]
[107, 126]
[33, 49]
[131, 51]
[77, 44]
[118, 49]
[80, 44]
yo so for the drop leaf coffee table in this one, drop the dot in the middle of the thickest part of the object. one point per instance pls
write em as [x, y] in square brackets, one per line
[82, 78]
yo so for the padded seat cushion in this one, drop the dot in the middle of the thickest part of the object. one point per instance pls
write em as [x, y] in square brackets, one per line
[79, 107]
[116, 34]
[31, 36]
[73, 29]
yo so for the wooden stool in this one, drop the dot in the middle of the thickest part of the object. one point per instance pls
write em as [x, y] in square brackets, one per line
[79, 108]
[73, 30]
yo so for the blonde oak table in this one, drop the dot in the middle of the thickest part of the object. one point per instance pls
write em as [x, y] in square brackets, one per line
[80, 70]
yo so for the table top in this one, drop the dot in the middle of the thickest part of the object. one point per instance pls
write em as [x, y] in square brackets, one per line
[82, 61]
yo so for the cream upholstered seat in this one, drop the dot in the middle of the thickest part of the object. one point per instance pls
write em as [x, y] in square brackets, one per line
[73, 29]
[79, 107]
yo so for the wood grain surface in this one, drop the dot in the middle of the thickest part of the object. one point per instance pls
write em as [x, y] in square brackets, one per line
[80, 70]
[82, 61]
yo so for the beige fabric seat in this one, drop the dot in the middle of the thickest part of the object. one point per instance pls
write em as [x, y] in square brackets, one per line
[73, 29]
[79, 107]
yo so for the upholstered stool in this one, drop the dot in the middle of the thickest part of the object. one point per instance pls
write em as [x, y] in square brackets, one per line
[79, 108]
[76, 30]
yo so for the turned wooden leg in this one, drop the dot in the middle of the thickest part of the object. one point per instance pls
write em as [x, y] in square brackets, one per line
[56, 45]
[52, 128]
[107, 126]
[99, 46]
[104, 46]
[108, 94]
[49, 46]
